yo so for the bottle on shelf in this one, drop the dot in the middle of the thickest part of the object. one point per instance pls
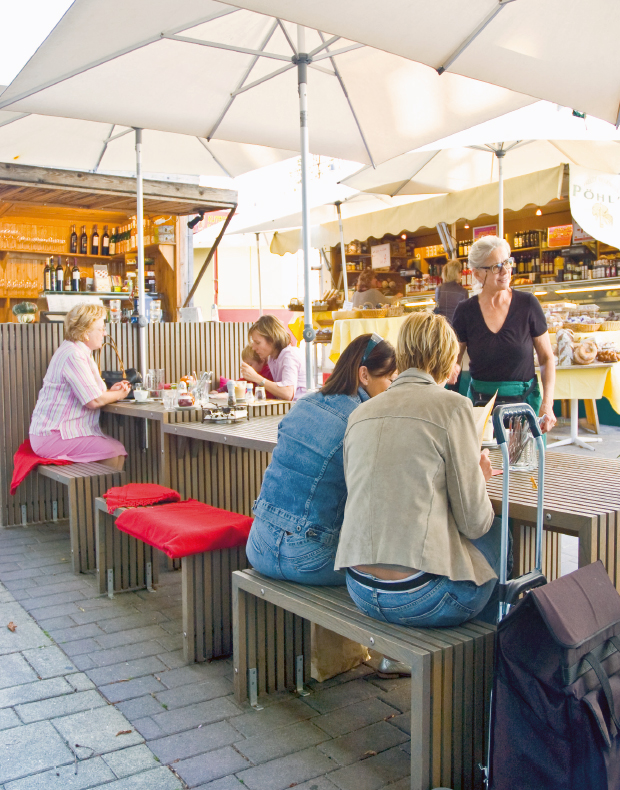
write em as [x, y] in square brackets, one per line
[105, 241]
[94, 241]
[60, 277]
[73, 241]
[113, 237]
[47, 275]
[67, 283]
[75, 277]
[83, 241]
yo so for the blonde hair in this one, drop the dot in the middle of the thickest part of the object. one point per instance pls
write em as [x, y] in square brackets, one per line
[451, 272]
[249, 355]
[273, 329]
[80, 319]
[427, 341]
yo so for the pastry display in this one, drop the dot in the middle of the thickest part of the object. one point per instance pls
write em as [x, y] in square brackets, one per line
[585, 353]
[608, 355]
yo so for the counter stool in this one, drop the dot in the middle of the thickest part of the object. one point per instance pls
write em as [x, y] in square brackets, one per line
[209, 541]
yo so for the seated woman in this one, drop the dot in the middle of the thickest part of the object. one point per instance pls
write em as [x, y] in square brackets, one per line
[65, 420]
[419, 540]
[301, 503]
[251, 358]
[271, 340]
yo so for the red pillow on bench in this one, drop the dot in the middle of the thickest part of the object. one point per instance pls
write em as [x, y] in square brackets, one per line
[183, 528]
[138, 495]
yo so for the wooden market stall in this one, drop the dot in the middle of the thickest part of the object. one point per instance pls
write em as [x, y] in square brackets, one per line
[39, 208]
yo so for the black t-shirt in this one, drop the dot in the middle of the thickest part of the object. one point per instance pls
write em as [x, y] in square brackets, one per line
[509, 354]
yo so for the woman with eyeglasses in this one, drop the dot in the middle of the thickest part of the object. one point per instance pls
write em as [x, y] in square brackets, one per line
[299, 511]
[500, 328]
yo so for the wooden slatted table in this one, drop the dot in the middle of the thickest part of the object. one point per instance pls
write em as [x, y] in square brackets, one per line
[582, 498]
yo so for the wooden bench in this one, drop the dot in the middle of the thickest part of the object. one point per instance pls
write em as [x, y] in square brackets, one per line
[451, 668]
[84, 483]
[126, 563]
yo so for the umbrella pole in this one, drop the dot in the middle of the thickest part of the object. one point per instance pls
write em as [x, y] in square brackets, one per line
[302, 60]
[342, 253]
[260, 290]
[142, 322]
[500, 154]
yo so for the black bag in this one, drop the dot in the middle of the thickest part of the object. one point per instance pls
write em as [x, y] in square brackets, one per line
[111, 377]
[556, 695]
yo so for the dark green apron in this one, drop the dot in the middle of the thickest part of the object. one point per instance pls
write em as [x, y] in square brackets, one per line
[481, 392]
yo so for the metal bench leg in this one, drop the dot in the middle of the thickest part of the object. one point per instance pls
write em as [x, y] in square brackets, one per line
[149, 577]
[110, 583]
[299, 677]
[253, 688]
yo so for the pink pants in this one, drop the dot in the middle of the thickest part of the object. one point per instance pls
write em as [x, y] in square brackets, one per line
[84, 449]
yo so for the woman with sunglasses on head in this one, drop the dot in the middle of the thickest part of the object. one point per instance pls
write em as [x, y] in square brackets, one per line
[299, 511]
[500, 328]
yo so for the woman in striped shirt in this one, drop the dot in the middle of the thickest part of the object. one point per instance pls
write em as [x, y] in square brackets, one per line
[65, 421]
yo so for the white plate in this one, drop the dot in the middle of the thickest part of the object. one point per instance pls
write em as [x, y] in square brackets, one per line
[193, 406]
[140, 402]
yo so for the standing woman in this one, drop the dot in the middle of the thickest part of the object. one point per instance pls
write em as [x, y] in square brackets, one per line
[271, 340]
[65, 420]
[500, 328]
[450, 292]
[299, 511]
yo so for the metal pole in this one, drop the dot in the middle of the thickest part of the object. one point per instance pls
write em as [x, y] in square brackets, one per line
[142, 322]
[302, 60]
[260, 289]
[342, 253]
[500, 154]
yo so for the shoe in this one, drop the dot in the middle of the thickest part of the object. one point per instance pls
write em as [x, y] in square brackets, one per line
[389, 669]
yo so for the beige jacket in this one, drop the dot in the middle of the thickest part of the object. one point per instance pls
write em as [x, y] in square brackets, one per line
[416, 493]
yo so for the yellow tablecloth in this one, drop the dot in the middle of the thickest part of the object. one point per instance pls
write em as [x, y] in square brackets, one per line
[346, 331]
[297, 326]
[589, 382]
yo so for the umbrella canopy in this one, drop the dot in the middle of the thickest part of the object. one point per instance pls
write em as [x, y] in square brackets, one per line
[213, 70]
[45, 141]
[564, 51]
[534, 138]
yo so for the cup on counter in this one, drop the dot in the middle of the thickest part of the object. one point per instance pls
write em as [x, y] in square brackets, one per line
[139, 393]
[260, 394]
[239, 390]
[169, 398]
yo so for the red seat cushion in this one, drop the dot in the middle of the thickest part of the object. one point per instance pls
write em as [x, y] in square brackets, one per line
[25, 460]
[183, 528]
[138, 495]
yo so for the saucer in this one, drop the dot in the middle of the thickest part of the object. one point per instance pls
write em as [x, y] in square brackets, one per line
[146, 400]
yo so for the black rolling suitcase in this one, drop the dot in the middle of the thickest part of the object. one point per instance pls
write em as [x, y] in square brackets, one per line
[555, 710]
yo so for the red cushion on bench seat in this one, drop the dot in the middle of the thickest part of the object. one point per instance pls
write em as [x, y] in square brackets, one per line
[25, 460]
[138, 495]
[183, 528]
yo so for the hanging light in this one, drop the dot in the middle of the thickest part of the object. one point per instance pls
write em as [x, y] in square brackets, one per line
[539, 212]
[404, 237]
[466, 227]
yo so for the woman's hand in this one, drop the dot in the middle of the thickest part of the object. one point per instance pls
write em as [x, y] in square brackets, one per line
[485, 465]
[249, 374]
[546, 417]
[455, 373]
[122, 387]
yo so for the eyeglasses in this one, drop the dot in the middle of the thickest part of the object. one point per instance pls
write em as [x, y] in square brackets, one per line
[497, 267]
[374, 341]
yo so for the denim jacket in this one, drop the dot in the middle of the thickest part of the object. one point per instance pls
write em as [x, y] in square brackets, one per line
[304, 487]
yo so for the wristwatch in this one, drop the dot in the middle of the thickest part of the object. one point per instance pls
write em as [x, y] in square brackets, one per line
[263, 382]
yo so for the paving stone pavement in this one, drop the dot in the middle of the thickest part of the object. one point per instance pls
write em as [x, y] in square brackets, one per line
[81, 668]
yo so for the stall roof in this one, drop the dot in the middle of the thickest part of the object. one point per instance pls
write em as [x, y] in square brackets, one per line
[70, 189]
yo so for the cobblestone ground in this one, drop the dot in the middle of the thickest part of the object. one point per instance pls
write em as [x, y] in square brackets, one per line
[109, 675]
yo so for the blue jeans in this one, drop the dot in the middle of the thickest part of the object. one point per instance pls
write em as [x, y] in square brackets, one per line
[440, 602]
[305, 557]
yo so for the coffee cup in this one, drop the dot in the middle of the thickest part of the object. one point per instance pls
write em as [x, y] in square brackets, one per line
[140, 395]
[239, 390]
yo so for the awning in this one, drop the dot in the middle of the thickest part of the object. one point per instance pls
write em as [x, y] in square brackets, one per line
[533, 189]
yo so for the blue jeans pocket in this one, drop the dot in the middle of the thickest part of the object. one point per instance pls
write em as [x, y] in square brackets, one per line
[313, 560]
[448, 612]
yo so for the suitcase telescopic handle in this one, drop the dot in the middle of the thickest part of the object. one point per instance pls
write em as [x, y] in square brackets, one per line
[505, 412]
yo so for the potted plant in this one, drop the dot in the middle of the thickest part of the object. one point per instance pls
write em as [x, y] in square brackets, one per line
[25, 312]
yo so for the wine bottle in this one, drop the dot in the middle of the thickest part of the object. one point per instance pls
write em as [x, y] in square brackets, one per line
[75, 277]
[73, 242]
[60, 277]
[105, 241]
[47, 275]
[52, 275]
[94, 241]
[113, 240]
[83, 241]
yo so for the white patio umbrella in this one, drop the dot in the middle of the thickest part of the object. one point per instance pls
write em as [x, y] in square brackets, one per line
[535, 138]
[565, 51]
[213, 70]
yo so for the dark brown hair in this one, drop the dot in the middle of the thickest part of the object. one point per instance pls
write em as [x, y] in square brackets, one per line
[344, 380]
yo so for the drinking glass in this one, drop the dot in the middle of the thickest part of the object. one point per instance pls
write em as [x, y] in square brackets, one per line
[169, 398]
